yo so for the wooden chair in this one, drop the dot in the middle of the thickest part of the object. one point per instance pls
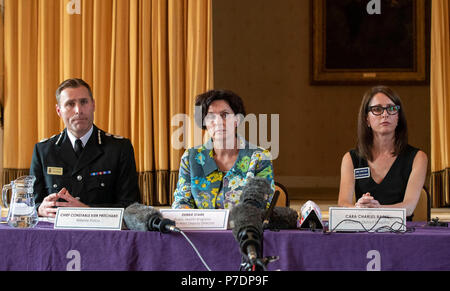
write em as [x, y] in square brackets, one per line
[423, 207]
[283, 199]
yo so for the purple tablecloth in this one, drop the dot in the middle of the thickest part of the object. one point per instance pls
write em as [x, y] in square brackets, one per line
[44, 248]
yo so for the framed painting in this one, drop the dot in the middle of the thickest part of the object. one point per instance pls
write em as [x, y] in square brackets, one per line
[369, 42]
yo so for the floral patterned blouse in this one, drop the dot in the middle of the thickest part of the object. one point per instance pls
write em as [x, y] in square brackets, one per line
[201, 184]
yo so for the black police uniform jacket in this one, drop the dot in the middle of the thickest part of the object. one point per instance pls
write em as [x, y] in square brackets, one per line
[103, 176]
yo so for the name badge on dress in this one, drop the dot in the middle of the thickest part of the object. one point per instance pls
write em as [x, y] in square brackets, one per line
[361, 173]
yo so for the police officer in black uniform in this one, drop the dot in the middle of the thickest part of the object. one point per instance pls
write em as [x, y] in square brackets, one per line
[82, 166]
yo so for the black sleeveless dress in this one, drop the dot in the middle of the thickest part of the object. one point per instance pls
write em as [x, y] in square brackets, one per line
[392, 189]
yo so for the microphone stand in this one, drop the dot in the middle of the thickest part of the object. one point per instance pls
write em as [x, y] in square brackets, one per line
[257, 264]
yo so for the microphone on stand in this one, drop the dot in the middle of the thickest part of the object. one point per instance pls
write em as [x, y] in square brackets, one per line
[311, 216]
[282, 218]
[277, 218]
[144, 218]
[269, 211]
[246, 220]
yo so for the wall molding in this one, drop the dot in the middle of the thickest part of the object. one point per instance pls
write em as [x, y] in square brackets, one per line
[309, 181]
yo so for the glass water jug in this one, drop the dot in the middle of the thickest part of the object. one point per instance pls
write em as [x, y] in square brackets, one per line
[22, 212]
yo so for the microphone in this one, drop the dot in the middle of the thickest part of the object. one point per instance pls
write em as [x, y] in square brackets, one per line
[311, 216]
[269, 211]
[247, 216]
[146, 218]
[246, 222]
[256, 192]
[276, 218]
[162, 225]
[282, 218]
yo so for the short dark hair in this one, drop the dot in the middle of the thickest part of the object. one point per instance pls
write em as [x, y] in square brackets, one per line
[203, 101]
[72, 83]
[365, 135]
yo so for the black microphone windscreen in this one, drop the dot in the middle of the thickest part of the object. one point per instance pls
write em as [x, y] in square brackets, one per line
[136, 216]
[256, 192]
[243, 216]
[283, 218]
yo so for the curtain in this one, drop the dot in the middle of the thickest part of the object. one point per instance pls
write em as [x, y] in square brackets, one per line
[440, 103]
[145, 60]
[1, 87]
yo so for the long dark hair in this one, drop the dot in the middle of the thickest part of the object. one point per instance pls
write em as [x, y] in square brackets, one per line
[365, 134]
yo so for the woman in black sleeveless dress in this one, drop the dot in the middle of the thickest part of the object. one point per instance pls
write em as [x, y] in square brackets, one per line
[383, 170]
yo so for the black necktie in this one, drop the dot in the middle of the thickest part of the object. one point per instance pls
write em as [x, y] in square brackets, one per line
[78, 147]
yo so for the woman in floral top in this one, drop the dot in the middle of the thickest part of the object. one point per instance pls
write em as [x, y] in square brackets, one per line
[212, 176]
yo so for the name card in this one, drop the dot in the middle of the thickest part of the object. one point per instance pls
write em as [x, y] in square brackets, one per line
[89, 218]
[367, 219]
[198, 219]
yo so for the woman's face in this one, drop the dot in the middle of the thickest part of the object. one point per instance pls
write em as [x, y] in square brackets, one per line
[221, 122]
[387, 121]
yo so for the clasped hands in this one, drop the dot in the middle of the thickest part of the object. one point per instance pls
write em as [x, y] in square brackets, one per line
[50, 204]
[367, 201]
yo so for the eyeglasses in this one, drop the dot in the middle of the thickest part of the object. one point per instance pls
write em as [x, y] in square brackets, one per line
[378, 110]
[212, 116]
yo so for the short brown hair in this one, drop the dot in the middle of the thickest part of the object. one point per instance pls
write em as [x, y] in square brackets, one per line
[203, 101]
[72, 83]
[365, 135]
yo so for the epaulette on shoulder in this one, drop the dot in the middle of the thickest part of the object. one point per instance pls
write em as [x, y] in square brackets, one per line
[114, 135]
[47, 139]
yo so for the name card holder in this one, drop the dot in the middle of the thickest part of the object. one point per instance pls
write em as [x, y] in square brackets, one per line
[89, 218]
[198, 219]
[367, 219]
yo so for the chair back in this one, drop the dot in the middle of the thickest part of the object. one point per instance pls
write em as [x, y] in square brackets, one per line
[423, 207]
[283, 199]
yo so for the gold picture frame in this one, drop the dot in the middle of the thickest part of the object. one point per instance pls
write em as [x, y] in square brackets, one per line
[350, 53]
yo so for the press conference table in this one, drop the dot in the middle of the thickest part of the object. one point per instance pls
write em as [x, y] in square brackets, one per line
[44, 248]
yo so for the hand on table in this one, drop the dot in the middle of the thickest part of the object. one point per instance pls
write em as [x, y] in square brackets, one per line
[50, 204]
[367, 201]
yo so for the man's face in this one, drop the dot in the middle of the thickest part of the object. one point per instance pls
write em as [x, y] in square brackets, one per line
[76, 108]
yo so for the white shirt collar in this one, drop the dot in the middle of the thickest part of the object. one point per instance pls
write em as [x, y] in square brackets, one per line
[84, 138]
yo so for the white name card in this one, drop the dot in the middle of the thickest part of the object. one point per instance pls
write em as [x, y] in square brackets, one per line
[367, 219]
[198, 219]
[89, 218]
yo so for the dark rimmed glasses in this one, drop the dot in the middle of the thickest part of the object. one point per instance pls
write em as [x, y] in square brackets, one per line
[378, 110]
